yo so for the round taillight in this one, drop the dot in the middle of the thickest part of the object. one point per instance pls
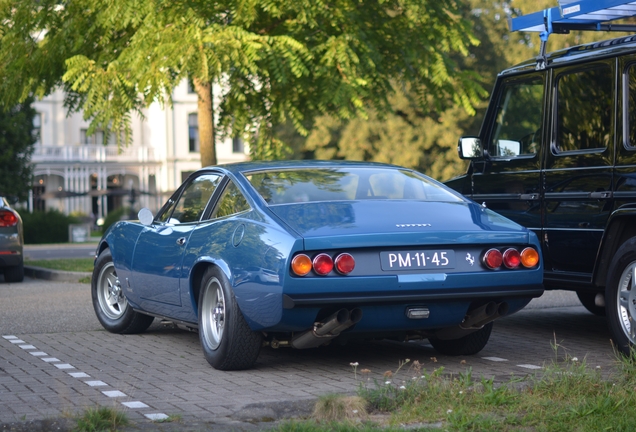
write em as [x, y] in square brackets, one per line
[323, 264]
[529, 257]
[8, 218]
[511, 258]
[301, 264]
[345, 263]
[493, 259]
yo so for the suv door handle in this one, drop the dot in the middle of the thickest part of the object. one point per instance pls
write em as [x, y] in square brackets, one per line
[601, 195]
[529, 197]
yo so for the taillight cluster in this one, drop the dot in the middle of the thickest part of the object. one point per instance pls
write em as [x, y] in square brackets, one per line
[322, 264]
[8, 218]
[511, 258]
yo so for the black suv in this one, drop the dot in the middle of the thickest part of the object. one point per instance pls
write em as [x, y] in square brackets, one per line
[557, 154]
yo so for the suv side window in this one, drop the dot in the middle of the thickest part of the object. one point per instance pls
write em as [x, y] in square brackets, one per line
[584, 109]
[630, 126]
[517, 129]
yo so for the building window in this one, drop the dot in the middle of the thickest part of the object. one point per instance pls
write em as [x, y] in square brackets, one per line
[237, 145]
[193, 132]
[191, 89]
[96, 139]
[37, 128]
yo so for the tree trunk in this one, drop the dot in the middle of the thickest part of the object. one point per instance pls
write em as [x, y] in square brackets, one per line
[205, 114]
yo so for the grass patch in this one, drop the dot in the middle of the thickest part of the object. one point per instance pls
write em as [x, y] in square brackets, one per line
[66, 264]
[101, 419]
[566, 395]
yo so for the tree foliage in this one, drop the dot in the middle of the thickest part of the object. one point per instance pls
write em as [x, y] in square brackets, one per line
[278, 61]
[16, 145]
[421, 135]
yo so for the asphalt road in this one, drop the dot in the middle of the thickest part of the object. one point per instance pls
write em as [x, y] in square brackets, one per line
[56, 251]
[55, 359]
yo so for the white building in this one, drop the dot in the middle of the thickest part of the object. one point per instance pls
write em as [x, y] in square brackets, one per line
[77, 174]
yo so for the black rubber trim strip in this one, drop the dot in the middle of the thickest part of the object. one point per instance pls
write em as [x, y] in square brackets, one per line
[290, 303]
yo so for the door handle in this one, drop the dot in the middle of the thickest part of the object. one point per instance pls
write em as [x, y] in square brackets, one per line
[601, 195]
[529, 197]
[181, 241]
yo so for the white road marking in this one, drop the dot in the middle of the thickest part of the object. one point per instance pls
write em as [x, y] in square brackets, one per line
[110, 393]
[157, 416]
[495, 359]
[114, 393]
[64, 366]
[529, 366]
[135, 404]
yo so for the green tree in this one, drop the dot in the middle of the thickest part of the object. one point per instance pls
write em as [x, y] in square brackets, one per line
[16, 145]
[420, 135]
[277, 60]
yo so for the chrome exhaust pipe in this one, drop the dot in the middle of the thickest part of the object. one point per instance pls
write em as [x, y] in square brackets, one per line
[500, 310]
[355, 315]
[481, 314]
[474, 320]
[324, 332]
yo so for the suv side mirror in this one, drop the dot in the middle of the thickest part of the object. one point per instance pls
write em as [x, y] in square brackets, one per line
[470, 148]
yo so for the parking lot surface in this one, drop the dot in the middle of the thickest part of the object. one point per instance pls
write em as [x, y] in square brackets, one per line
[56, 361]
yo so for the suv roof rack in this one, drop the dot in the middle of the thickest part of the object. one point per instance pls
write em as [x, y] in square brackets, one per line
[592, 15]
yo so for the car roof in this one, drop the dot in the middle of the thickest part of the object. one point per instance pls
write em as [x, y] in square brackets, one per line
[243, 167]
[580, 53]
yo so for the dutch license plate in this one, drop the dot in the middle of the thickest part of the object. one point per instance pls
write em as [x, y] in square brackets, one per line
[414, 260]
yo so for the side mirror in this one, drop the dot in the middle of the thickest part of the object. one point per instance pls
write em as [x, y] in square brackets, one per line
[145, 216]
[470, 148]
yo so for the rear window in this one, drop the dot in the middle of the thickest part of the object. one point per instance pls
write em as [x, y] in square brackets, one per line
[346, 184]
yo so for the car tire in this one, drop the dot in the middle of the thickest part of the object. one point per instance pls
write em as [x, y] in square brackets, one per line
[620, 297]
[111, 307]
[14, 273]
[228, 342]
[587, 299]
[470, 344]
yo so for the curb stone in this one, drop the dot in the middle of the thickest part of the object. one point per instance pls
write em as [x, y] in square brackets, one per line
[54, 275]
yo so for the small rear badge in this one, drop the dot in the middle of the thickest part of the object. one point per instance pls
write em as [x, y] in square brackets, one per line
[470, 259]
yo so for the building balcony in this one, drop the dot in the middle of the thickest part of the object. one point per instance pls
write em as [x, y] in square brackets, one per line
[92, 153]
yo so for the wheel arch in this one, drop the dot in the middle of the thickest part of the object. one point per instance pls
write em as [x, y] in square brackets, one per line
[196, 277]
[620, 227]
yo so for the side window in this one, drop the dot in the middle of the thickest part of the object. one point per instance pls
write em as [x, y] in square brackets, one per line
[193, 200]
[517, 130]
[232, 201]
[630, 125]
[168, 208]
[585, 101]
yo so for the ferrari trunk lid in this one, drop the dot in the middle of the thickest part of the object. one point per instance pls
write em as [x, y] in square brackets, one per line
[369, 223]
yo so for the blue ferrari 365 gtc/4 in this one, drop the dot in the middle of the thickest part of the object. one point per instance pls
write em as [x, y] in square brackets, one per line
[301, 253]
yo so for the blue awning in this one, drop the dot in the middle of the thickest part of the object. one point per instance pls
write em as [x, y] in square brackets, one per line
[577, 15]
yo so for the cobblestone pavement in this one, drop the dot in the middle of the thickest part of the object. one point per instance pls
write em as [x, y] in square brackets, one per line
[56, 361]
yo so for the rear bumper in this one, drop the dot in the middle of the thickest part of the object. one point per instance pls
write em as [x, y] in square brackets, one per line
[528, 291]
[11, 259]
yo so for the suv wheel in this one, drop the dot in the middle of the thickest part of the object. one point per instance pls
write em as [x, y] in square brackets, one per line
[620, 297]
[588, 300]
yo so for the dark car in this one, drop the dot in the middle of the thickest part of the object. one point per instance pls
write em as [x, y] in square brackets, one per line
[557, 153]
[11, 243]
[300, 254]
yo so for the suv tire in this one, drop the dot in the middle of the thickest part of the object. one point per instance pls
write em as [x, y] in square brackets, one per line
[620, 297]
[587, 299]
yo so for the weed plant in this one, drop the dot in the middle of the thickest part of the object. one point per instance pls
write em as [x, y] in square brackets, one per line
[567, 395]
[101, 419]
